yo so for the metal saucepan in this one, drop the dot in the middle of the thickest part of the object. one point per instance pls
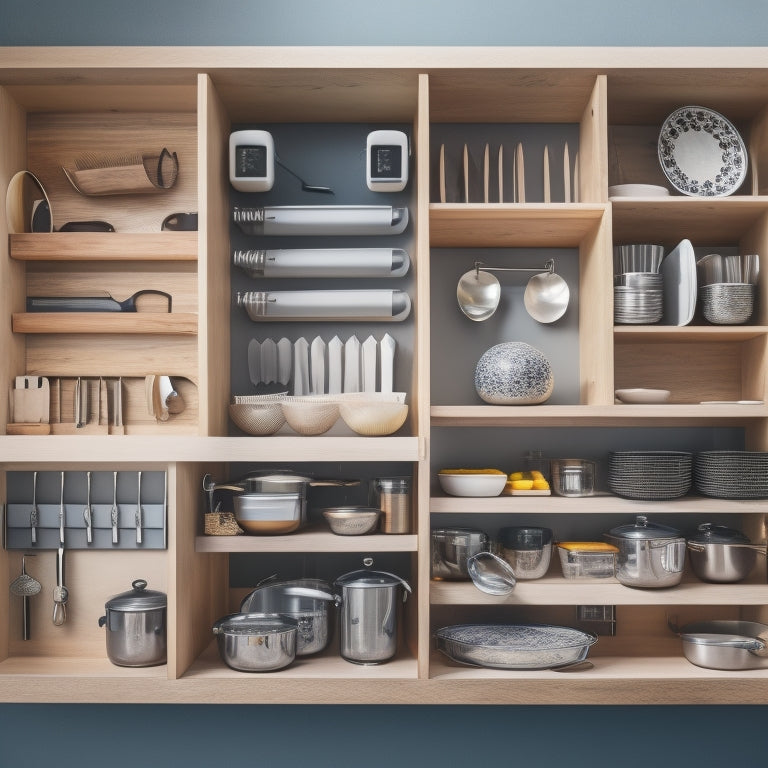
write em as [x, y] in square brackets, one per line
[307, 601]
[256, 642]
[726, 644]
[723, 555]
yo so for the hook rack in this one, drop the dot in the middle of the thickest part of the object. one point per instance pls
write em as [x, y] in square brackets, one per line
[549, 266]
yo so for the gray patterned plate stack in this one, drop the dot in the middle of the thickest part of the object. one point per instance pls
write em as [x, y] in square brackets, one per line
[650, 475]
[732, 474]
[638, 288]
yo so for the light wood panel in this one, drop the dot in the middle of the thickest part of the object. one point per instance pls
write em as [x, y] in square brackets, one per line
[310, 540]
[156, 323]
[104, 246]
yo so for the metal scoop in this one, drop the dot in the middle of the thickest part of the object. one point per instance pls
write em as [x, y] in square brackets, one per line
[546, 297]
[491, 574]
[24, 586]
[478, 294]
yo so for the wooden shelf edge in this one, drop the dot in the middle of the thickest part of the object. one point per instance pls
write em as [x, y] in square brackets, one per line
[104, 246]
[694, 333]
[169, 324]
[307, 541]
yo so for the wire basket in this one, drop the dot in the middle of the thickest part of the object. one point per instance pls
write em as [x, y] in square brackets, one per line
[221, 524]
[732, 474]
[650, 475]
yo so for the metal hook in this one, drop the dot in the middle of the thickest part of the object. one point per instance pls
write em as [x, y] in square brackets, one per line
[549, 266]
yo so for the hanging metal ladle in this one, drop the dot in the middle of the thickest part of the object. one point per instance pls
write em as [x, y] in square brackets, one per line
[546, 295]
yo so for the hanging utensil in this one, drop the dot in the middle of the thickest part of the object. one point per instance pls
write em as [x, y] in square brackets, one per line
[369, 351]
[546, 296]
[442, 173]
[547, 195]
[24, 586]
[306, 187]
[254, 362]
[103, 303]
[335, 366]
[284, 355]
[301, 367]
[501, 173]
[567, 175]
[387, 347]
[34, 514]
[352, 364]
[113, 512]
[139, 518]
[60, 592]
[466, 174]
[520, 172]
[486, 174]
[87, 512]
[317, 365]
[478, 294]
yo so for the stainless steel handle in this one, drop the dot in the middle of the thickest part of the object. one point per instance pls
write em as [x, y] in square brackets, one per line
[138, 519]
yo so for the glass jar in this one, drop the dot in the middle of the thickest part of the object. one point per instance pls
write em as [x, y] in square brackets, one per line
[392, 495]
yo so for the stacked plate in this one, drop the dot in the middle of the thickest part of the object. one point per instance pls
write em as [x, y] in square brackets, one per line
[650, 475]
[732, 474]
[638, 288]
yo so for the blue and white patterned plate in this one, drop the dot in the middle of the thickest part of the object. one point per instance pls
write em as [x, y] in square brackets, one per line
[701, 153]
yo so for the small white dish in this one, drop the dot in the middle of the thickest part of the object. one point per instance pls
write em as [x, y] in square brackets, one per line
[642, 396]
[637, 190]
[472, 485]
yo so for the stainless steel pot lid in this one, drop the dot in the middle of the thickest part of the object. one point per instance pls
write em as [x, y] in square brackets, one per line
[709, 533]
[642, 528]
[465, 536]
[371, 580]
[254, 623]
[137, 599]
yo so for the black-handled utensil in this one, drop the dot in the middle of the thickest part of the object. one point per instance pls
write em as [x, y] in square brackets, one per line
[91, 303]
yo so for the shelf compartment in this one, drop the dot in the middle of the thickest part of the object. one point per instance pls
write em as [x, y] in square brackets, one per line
[307, 541]
[593, 415]
[168, 324]
[557, 590]
[104, 246]
[557, 225]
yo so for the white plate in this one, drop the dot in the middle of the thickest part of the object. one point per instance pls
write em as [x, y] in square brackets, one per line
[679, 270]
[701, 153]
[637, 190]
[643, 395]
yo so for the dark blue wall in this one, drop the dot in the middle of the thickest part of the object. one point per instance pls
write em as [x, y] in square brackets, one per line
[116, 736]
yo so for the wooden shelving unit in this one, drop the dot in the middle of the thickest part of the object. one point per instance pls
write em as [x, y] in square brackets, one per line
[57, 105]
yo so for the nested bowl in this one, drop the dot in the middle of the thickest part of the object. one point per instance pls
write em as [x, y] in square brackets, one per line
[262, 418]
[310, 416]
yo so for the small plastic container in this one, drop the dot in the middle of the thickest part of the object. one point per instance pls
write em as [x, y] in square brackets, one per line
[587, 560]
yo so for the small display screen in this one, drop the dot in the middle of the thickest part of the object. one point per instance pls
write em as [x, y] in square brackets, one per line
[251, 162]
[386, 161]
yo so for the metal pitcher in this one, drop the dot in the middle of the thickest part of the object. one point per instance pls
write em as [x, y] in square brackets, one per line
[368, 617]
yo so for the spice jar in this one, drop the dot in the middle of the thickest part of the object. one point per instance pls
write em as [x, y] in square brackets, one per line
[392, 496]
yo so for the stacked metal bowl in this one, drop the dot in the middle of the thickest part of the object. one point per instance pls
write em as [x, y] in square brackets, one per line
[650, 475]
[638, 288]
[727, 287]
[732, 474]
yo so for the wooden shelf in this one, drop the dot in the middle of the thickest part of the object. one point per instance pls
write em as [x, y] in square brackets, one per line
[668, 414]
[626, 334]
[104, 246]
[599, 504]
[307, 541]
[557, 590]
[495, 225]
[158, 324]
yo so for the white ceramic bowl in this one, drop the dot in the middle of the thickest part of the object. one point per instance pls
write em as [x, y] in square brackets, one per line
[472, 484]
[644, 396]
[373, 418]
[637, 190]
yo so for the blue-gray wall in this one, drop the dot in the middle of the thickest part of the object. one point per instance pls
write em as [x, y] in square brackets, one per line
[194, 736]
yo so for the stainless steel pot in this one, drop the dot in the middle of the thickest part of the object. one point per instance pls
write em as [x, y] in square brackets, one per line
[527, 550]
[307, 601]
[136, 627]
[452, 547]
[368, 623]
[721, 554]
[650, 555]
[726, 644]
[256, 642]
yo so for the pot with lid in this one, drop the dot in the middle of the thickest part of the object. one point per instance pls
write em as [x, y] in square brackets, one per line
[136, 627]
[650, 554]
[369, 615]
[452, 547]
[722, 554]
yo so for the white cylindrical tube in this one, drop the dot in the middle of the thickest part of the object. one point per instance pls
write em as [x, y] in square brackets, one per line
[323, 262]
[322, 220]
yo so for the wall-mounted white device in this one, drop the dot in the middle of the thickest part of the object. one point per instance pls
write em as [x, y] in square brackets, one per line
[386, 161]
[251, 161]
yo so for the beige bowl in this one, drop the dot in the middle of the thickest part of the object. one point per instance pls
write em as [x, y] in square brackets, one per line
[309, 416]
[264, 418]
[352, 521]
[373, 417]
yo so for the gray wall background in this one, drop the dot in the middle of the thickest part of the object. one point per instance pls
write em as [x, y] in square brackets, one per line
[119, 736]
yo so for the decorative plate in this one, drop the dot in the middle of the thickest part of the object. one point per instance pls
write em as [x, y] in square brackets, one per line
[701, 153]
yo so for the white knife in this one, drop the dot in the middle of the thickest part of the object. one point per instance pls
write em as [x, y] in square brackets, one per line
[352, 365]
[567, 174]
[387, 348]
[254, 362]
[466, 174]
[520, 171]
[317, 363]
[370, 351]
[284, 355]
[547, 195]
[442, 173]
[334, 366]
[301, 367]
[268, 361]
[486, 174]
[501, 173]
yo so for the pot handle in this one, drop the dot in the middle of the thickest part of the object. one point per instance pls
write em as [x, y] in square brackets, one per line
[209, 486]
[102, 620]
[318, 594]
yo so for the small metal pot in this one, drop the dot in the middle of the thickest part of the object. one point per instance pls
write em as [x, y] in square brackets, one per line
[726, 644]
[369, 615]
[721, 554]
[527, 550]
[650, 555]
[452, 547]
[307, 601]
[136, 627]
[256, 642]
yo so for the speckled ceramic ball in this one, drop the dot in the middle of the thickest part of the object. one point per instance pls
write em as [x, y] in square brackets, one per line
[514, 373]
